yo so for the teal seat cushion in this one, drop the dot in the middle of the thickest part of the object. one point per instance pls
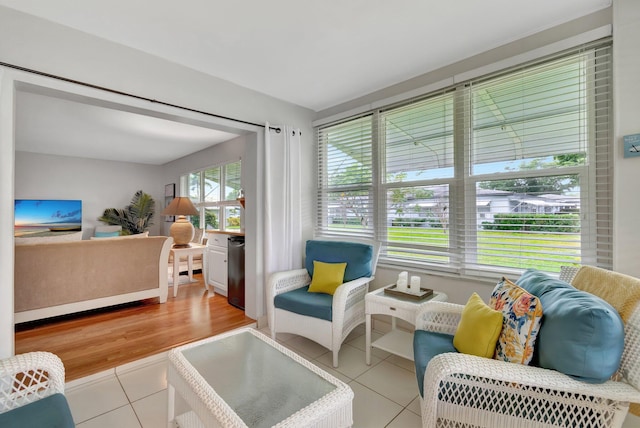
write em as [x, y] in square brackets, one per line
[50, 412]
[357, 256]
[426, 345]
[581, 335]
[300, 301]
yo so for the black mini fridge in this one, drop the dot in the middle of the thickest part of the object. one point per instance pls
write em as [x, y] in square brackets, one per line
[235, 269]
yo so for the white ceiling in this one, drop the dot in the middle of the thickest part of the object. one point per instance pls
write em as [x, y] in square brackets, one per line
[56, 125]
[315, 54]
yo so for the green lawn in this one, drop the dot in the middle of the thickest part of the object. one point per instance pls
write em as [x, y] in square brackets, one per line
[497, 248]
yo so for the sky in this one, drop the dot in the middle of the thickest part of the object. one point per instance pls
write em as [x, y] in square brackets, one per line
[37, 211]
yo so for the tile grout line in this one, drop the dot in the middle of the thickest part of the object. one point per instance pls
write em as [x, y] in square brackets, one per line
[133, 409]
[104, 413]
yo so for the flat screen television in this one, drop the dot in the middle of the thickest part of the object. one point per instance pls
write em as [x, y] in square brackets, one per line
[46, 217]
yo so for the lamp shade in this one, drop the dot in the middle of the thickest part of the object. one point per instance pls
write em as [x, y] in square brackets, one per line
[182, 230]
[180, 206]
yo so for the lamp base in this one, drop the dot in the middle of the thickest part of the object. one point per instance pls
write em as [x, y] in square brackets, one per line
[182, 232]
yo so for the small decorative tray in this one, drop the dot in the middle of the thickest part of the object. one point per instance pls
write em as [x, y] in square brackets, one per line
[393, 290]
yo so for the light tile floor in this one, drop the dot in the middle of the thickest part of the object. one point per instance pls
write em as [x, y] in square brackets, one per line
[135, 395]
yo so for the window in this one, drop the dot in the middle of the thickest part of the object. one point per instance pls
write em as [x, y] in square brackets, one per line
[347, 196]
[498, 174]
[214, 192]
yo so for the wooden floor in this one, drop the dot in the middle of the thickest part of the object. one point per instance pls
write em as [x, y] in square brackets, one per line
[101, 340]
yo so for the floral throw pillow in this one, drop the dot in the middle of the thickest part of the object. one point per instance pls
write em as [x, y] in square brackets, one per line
[522, 314]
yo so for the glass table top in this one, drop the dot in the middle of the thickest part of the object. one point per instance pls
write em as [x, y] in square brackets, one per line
[261, 384]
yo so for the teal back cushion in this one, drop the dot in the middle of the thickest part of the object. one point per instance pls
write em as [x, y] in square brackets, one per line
[359, 257]
[581, 335]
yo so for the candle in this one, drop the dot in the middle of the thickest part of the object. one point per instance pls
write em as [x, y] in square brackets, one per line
[402, 281]
[415, 285]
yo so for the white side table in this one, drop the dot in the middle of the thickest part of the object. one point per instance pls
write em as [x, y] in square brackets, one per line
[188, 252]
[397, 341]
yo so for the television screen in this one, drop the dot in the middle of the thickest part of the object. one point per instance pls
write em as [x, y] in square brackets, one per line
[46, 217]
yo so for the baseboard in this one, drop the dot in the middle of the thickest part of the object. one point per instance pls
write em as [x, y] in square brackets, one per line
[262, 322]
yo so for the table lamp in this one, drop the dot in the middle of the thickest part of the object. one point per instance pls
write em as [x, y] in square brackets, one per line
[181, 230]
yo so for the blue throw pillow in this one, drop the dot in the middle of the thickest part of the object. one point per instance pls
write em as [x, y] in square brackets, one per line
[357, 256]
[581, 335]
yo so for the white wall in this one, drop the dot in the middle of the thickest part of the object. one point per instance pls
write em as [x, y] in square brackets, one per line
[99, 184]
[7, 101]
[509, 50]
[626, 80]
[626, 63]
[37, 44]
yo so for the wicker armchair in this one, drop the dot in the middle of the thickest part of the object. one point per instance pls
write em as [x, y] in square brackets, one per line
[465, 390]
[31, 391]
[347, 307]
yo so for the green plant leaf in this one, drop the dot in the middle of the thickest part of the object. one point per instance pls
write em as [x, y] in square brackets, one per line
[134, 218]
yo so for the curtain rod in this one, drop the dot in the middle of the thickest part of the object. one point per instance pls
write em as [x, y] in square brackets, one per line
[115, 91]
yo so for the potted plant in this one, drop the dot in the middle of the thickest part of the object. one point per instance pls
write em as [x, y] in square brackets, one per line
[134, 218]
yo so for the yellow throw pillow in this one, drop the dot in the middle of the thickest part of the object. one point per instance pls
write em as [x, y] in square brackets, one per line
[479, 329]
[327, 277]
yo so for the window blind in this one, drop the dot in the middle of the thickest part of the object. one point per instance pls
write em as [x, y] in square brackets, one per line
[417, 164]
[539, 142]
[346, 191]
[232, 181]
[498, 174]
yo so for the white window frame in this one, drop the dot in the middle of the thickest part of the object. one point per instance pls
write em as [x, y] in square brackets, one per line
[462, 191]
[221, 204]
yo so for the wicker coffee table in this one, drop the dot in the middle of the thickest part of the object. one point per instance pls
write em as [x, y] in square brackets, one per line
[245, 379]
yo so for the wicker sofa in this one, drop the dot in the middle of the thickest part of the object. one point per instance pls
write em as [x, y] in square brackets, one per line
[65, 277]
[466, 390]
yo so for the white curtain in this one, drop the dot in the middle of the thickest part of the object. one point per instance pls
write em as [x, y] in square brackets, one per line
[282, 220]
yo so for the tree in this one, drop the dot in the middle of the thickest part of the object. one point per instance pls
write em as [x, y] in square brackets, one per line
[210, 220]
[540, 185]
[570, 159]
[350, 202]
[399, 195]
